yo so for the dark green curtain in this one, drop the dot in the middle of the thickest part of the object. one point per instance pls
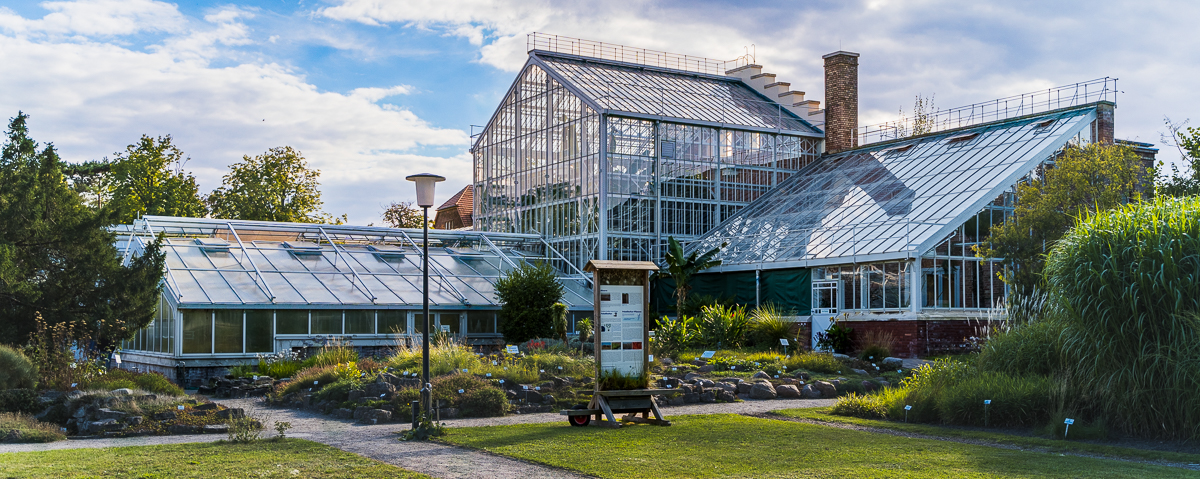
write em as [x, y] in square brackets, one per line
[790, 289]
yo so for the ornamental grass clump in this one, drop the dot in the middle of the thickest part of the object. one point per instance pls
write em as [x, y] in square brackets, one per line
[16, 370]
[768, 326]
[1126, 282]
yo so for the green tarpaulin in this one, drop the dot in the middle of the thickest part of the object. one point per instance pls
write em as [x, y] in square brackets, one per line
[790, 289]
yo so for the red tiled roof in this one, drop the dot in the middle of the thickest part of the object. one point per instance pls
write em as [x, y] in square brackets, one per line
[464, 200]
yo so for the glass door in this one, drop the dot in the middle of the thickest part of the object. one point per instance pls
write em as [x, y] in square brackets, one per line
[826, 301]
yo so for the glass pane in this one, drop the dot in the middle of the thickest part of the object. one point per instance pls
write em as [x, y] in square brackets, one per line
[360, 321]
[891, 273]
[876, 292]
[229, 331]
[419, 322]
[291, 321]
[326, 321]
[197, 331]
[259, 338]
[451, 321]
[481, 322]
[393, 321]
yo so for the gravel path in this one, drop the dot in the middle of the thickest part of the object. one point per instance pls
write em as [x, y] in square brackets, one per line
[380, 441]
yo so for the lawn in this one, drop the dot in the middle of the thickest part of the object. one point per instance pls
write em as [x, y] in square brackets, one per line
[738, 446]
[290, 458]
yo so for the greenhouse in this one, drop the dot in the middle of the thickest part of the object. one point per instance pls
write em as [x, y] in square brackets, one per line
[884, 232]
[608, 150]
[233, 290]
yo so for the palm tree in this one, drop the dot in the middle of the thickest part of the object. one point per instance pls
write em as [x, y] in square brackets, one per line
[681, 268]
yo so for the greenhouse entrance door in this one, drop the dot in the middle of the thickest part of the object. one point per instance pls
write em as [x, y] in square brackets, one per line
[826, 297]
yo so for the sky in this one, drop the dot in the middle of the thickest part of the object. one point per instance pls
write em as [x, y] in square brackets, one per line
[371, 91]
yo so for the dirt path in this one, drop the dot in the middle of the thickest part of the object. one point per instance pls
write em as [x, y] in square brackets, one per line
[380, 442]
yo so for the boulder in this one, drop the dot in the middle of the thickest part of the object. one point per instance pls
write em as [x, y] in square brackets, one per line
[734, 381]
[666, 361]
[106, 413]
[790, 381]
[892, 363]
[121, 392]
[841, 356]
[377, 390]
[726, 396]
[705, 383]
[860, 372]
[787, 392]
[181, 429]
[548, 399]
[707, 368]
[869, 386]
[708, 396]
[801, 375]
[532, 396]
[343, 413]
[375, 416]
[354, 395]
[884, 384]
[691, 398]
[809, 392]
[761, 375]
[164, 416]
[206, 407]
[744, 388]
[103, 425]
[672, 383]
[732, 388]
[676, 401]
[133, 420]
[691, 377]
[216, 429]
[390, 378]
[762, 390]
[828, 390]
[231, 413]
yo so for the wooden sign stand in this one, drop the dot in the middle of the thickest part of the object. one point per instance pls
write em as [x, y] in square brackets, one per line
[621, 298]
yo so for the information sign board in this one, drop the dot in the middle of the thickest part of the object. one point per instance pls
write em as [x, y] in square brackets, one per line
[622, 329]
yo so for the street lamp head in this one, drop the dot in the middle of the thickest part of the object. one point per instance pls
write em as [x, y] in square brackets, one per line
[425, 183]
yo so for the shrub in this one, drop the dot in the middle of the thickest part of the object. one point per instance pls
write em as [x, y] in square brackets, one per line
[332, 353]
[20, 401]
[445, 357]
[1029, 348]
[875, 345]
[723, 327]
[814, 361]
[1125, 283]
[527, 294]
[16, 371]
[280, 365]
[28, 429]
[674, 335]
[305, 378]
[558, 312]
[767, 326]
[1016, 400]
[339, 390]
[836, 338]
[487, 402]
[122, 378]
[859, 405]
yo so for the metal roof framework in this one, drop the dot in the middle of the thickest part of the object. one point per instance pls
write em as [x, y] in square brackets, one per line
[889, 200]
[217, 263]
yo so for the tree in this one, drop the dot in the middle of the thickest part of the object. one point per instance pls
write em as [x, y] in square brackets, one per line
[274, 186]
[681, 267]
[1188, 143]
[527, 296]
[404, 215]
[1083, 181]
[148, 179]
[58, 260]
[92, 180]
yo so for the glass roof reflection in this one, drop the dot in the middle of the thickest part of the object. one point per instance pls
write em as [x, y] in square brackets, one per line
[893, 198]
[679, 95]
[212, 262]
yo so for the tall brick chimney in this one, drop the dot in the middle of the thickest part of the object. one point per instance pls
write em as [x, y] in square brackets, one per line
[841, 101]
[1103, 128]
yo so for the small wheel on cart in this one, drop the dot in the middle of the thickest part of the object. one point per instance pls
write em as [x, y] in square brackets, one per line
[580, 420]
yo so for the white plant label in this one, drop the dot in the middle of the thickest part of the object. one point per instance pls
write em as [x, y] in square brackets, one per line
[382, 395]
[180, 407]
[489, 375]
[907, 407]
[537, 388]
[784, 342]
[464, 370]
[1069, 421]
[987, 401]
[501, 381]
[460, 391]
[73, 384]
[525, 387]
[649, 356]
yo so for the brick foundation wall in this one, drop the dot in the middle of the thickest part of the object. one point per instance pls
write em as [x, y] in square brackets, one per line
[920, 338]
[841, 101]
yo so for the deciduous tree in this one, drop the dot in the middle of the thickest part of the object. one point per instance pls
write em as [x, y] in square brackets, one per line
[404, 215]
[1187, 141]
[274, 186]
[148, 179]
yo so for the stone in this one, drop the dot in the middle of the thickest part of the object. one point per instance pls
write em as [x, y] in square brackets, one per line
[726, 396]
[672, 383]
[789, 381]
[546, 385]
[231, 413]
[705, 383]
[803, 376]
[206, 407]
[105, 413]
[390, 378]
[691, 398]
[763, 390]
[869, 386]
[532, 396]
[376, 390]
[708, 397]
[676, 401]
[707, 368]
[343, 413]
[216, 429]
[744, 388]
[734, 381]
[666, 361]
[837, 383]
[787, 392]
[809, 392]
[375, 416]
[828, 390]
[96, 427]
[164, 416]
[79, 413]
[732, 388]
[121, 392]
[841, 356]
[860, 372]
[884, 384]
[892, 363]
[181, 429]
[691, 376]
[761, 375]
[354, 395]
[133, 420]
[548, 399]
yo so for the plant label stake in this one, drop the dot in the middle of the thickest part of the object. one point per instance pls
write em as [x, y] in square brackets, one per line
[1068, 422]
[784, 343]
[907, 408]
[986, 403]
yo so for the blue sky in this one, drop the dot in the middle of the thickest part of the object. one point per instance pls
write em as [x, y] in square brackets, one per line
[372, 91]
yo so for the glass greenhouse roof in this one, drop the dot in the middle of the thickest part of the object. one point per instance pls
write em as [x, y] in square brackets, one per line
[890, 200]
[213, 262]
[643, 90]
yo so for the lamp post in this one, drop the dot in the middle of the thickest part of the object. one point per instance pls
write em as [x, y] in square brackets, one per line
[425, 184]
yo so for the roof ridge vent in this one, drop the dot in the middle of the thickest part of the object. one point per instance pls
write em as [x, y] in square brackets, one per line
[302, 247]
[213, 245]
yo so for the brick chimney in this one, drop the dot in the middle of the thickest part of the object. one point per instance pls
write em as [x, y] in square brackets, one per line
[841, 101]
[1103, 128]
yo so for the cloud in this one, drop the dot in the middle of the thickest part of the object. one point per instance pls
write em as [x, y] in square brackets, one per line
[97, 17]
[92, 98]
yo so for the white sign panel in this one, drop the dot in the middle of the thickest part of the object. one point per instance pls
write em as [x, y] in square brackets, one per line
[622, 329]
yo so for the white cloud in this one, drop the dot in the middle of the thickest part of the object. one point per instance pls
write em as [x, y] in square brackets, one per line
[97, 17]
[92, 98]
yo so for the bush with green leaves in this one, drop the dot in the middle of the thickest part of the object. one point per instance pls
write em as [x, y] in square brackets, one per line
[860, 405]
[723, 327]
[768, 326]
[1125, 283]
[837, 338]
[20, 401]
[16, 371]
[527, 294]
[674, 335]
[123, 378]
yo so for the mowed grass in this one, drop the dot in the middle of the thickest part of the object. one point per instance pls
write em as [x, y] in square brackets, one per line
[998, 437]
[729, 445]
[290, 458]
